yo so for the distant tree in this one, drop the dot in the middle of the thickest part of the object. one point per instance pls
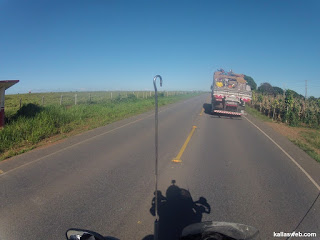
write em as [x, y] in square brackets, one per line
[251, 82]
[277, 91]
[312, 98]
[295, 94]
[266, 88]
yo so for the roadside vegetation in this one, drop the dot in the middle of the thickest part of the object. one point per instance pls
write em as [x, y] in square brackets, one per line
[295, 117]
[288, 107]
[254, 112]
[33, 124]
[306, 147]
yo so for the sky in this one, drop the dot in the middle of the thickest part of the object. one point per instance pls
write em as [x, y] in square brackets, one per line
[121, 45]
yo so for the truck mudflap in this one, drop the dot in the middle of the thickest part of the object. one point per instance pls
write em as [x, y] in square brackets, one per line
[227, 112]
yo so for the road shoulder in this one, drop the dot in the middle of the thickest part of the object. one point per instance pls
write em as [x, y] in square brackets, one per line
[303, 159]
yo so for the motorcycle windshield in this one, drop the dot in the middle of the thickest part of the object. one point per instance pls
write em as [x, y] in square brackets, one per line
[232, 230]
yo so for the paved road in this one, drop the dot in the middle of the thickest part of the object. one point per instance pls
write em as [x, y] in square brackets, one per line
[103, 180]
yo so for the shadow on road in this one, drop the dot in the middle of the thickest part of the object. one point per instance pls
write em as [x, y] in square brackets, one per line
[177, 210]
[207, 108]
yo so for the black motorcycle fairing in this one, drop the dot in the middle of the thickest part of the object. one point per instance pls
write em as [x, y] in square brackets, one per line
[219, 230]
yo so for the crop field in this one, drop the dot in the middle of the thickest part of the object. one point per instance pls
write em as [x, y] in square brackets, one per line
[44, 115]
[288, 109]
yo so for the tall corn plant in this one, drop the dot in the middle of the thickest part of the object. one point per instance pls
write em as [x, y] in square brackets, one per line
[288, 109]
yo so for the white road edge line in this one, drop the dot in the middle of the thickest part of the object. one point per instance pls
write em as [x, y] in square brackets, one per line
[78, 143]
[288, 155]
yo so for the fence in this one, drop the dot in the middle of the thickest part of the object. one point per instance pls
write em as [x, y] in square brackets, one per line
[14, 102]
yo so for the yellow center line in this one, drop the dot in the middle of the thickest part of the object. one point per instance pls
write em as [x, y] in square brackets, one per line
[201, 112]
[178, 157]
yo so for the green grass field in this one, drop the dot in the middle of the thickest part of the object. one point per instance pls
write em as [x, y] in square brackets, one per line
[33, 123]
[12, 102]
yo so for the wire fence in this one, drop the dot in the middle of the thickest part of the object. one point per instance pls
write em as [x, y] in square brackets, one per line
[14, 102]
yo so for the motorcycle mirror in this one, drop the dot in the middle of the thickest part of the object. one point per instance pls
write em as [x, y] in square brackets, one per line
[82, 234]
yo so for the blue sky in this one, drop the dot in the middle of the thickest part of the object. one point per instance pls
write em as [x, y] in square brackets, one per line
[120, 45]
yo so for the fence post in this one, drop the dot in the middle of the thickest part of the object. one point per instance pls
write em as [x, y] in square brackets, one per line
[150, 93]
[60, 100]
[89, 97]
[20, 102]
[75, 99]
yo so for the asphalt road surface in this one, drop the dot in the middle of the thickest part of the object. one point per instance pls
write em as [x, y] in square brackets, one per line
[103, 180]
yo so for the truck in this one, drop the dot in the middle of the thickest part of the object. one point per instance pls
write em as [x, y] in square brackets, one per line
[229, 93]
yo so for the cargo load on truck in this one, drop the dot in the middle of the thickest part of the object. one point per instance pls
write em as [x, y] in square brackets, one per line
[230, 93]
